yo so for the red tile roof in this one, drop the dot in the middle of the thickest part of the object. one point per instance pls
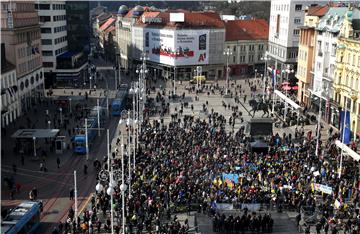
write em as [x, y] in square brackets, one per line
[317, 10]
[110, 29]
[192, 20]
[107, 24]
[254, 29]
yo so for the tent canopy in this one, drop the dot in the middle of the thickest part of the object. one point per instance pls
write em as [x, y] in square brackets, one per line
[35, 133]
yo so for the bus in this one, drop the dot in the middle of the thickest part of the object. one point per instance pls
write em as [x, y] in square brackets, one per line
[24, 219]
[119, 102]
[79, 140]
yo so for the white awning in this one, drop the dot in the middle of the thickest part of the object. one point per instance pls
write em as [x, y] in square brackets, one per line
[347, 149]
[288, 100]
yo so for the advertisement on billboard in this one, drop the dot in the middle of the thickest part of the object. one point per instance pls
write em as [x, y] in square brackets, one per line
[177, 47]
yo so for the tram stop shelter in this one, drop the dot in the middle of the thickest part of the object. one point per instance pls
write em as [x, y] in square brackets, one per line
[287, 101]
[24, 138]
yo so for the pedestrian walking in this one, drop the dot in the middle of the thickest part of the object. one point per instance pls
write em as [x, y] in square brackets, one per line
[85, 169]
[14, 168]
[71, 195]
[35, 193]
[58, 162]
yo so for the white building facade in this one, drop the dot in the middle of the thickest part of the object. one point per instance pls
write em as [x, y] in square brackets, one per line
[10, 105]
[54, 42]
[286, 18]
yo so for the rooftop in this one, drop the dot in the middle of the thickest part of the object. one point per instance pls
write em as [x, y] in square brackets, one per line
[191, 20]
[6, 66]
[332, 20]
[317, 10]
[254, 29]
[107, 24]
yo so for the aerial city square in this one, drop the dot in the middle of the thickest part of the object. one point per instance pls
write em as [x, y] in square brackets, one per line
[172, 117]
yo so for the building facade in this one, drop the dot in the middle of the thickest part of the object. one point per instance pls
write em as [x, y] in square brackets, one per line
[124, 23]
[78, 26]
[347, 74]
[327, 32]
[53, 32]
[247, 40]
[20, 32]
[306, 53]
[286, 18]
[10, 105]
[176, 46]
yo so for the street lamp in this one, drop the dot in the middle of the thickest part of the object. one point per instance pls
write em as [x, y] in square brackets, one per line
[265, 58]
[344, 126]
[255, 73]
[61, 118]
[227, 52]
[90, 82]
[70, 105]
[263, 79]
[49, 122]
[287, 71]
[320, 90]
[34, 139]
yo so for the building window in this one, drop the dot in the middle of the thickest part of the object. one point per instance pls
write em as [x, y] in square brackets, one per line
[45, 30]
[46, 41]
[277, 25]
[296, 32]
[47, 53]
[48, 64]
[298, 7]
[297, 20]
[44, 19]
[42, 6]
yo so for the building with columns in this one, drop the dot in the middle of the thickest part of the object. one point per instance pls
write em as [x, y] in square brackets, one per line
[10, 105]
[20, 32]
[346, 86]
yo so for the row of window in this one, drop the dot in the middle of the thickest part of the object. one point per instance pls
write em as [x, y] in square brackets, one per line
[28, 66]
[47, 53]
[27, 51]
[61, 50]
[250, 47]
[59, 29]
[48, 6]
[28, 36]
[285, 7]
[60, 40]
[59, 18]
[58, 7]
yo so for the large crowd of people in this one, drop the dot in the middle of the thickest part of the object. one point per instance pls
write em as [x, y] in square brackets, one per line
[184, 163]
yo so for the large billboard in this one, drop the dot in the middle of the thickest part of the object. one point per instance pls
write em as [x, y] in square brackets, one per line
[177, 47]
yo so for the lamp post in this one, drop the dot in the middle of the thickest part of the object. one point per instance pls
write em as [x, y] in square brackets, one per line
[263, 79]
[122, 186]
[70, 105]
[255, 74]
[265, 58]
[34, 140]
[227, 52]
[344, 126]
[198, 74]
[319, 124]
[49, 124]
[61, 118]
[287, 71]
[90, 82]
[105, 176]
